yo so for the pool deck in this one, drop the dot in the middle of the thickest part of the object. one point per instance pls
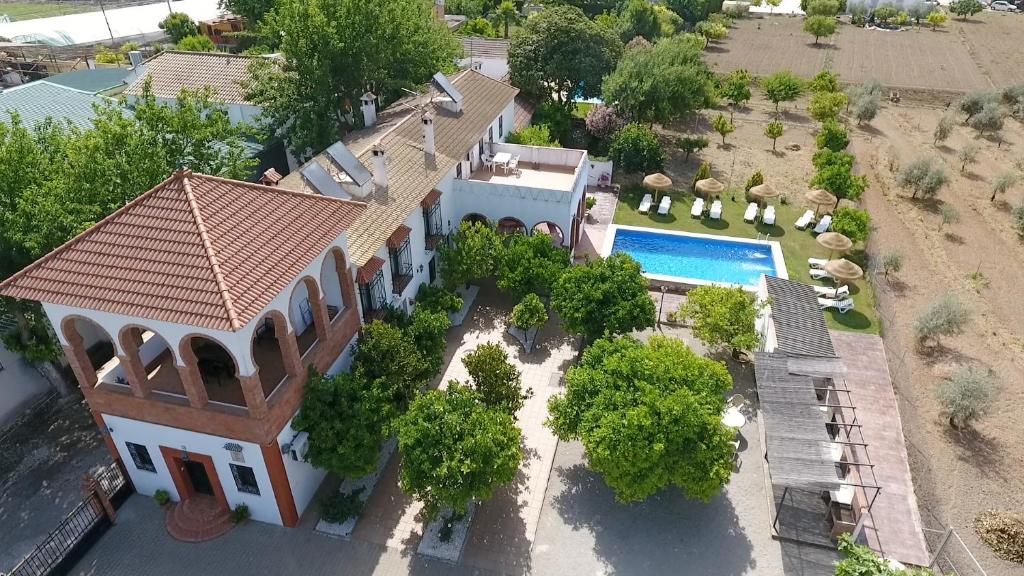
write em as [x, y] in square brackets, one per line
[777, 258]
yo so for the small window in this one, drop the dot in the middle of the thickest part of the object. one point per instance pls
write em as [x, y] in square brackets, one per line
[245, 479]
[140, 456]
[501, 126]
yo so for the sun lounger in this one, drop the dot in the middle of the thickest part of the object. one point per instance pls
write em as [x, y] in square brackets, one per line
[804, 221]
[751, 214]
[842, 306]
[666, 203]
[645, 204]
[698, 208]
[716, 210]
[817, 262]
[819, 274]
[824, 224]
[769, 216]
[826, 292]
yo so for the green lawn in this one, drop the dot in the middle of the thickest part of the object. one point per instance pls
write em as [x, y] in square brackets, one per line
[582, 109]
[30, 10]
[797, 245]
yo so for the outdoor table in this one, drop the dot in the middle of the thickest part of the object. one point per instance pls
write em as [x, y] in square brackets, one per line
[502, 158]
[733, 418]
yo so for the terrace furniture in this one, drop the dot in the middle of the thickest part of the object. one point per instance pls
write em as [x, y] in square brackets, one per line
[751, 214]
[804, 221]
[819, 274]
[769, 216]
[513, 165]
[716, 210]
[733, 418]
[843, 306]
[698, 208]
[827, 292]
[824, 224]
[489, 162]
[663, 208]
[817, 262]
[502, 159]
[737, 401]
[645, 204]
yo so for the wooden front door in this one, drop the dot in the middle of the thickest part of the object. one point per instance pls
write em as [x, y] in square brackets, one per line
[197, 476]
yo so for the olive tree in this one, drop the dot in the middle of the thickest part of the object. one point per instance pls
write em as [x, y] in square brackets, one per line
[966, 395]
[947, 316]
[989, 119]
[892, 263]
[924, 176]
[967, 155]
[943, 129]
[948, 214]
[1003, 183]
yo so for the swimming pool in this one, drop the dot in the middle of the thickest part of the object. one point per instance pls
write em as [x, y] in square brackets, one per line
[697, 259]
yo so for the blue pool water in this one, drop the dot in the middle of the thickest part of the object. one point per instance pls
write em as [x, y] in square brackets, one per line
[710, 259]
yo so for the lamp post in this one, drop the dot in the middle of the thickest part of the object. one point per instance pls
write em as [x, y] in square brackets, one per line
[662, 304]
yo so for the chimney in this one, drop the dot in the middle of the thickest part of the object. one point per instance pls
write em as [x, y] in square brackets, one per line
[380, 166]
[369, 107]
[135, 57]
[439, 9]
[428, 134]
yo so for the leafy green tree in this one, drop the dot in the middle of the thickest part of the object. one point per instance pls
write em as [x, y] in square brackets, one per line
[334, 51]
[774, 130]
[853, 223]
[945, 317]
[388, 358]
[832, 136]
[455, 449]
[782, 86]
[649, 416]
[711, 31]
[723, 126]
[530, 264]
[721, 316]
[936, 19]
[638, 18]
[196, 43]
[506, 15]
[561, 54]
[835, 175]
[603, 297]
[534, 135]
[671, 23]
[736, 89]
[820, 26]
[826, 106]
[497, 380]
[693, 11]
[965, 8]
[823, 8]
[637, 149]
[773, 4]
[252, 11]
[967, 395]
[530, 313]
[826, 158]
[1003, 183]
[691, 144]
[684, 83]
[885, 13]
[824, 81]
[178, 26]
[474, 254]
[859, 560]
[427, 330]
[437, 298]
[478, 27]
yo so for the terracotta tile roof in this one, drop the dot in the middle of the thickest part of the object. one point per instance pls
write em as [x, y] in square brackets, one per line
[195, 250]
[367, 271]
[398, 236]
[431, 198]
[410, 177]
[172, 70]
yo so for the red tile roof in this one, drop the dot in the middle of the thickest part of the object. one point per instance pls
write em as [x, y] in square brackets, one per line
[398, 236]
[367, 271]
[195, 250]
[431, 198]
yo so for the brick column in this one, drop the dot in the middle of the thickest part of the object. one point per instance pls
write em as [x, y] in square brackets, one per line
[289, 345]
[255, 399]
[321, 320]
[92, 486]
[192, 382]
[133, 368]
[79, 361]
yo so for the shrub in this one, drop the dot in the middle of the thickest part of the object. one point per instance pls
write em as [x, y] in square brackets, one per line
[240, 514]
[948, 215]
[702, 173]
[832, 136]
[756, 179]
[529, 313]
[945, 317]
[339, 506]
[591, 202]
[860, 560]
[691, 144]
[723, 126]
[162, 496]
[196, 43]
[636, 149]
[1017, 218]
[1003, 533]
[967, 395]
[534, 135]
[558, 120]
[478, 27]
[603, 122]
[437, 299]
[853, 223]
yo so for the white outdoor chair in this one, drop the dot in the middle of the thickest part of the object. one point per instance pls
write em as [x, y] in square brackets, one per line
[843, 306]
[751, 214]
[716, 210]
[817, 262]
[824, 224]
[645, 204]
[826, 292]
[805, 220]
[666, 204]
[769, 216]
[819, 274]
[513, 165]
[698, 208]
[489, 162]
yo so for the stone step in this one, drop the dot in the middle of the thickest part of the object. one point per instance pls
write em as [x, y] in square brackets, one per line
[198, 519]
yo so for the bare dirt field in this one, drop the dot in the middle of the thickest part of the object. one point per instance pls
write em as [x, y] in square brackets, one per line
[980, 53]
[956, 475]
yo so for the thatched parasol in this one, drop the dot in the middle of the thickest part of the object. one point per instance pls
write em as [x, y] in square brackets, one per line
[843, 271]
[709, 187]
[820, 198]
[835, 242]
[763, 192]
[657, 182]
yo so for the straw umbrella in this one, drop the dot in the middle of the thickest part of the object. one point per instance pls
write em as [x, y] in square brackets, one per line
[820, 198]
[835, 242]
[763, 192]
[843, 271]
[657, 182]
[709, 187]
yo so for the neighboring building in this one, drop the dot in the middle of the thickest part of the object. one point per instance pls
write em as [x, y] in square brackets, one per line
[190, 316]
[99, 81]
[37, 101]
[419, 166]
[219, 30]
[489, 56]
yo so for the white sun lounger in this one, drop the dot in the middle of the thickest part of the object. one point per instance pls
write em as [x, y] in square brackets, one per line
[819, 274]
[716, 210]
[645, 204]
[698, 208]
[843, 306]
[804, 221]
[823, 224]
[769, 216]
[826, 292]
[666, 203]
[751, 214]
[817, 262]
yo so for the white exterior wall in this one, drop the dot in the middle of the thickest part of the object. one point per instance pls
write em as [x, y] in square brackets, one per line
[764, 324]
[303, 478]
[152, 436]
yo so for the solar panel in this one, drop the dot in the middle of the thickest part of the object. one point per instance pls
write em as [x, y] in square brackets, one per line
[446, 86]
[348, 163]
[319, 178]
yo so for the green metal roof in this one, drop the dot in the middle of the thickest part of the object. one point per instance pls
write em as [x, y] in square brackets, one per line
[92, 81]
[36, 101]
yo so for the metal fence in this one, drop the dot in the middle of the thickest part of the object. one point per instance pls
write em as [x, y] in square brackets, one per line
[950, 556]
[80, 528]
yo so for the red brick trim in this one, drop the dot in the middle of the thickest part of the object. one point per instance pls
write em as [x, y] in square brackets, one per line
[279, 482]
[175, 460]
[111, 446]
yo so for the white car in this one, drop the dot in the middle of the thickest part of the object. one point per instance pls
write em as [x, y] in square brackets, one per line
[1003, 6]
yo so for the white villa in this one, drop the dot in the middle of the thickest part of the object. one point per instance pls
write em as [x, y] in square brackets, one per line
[191, 315]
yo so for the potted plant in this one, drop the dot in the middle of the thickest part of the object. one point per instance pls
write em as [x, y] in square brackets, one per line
[527, 317]
[241, 514]
[162, 497]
